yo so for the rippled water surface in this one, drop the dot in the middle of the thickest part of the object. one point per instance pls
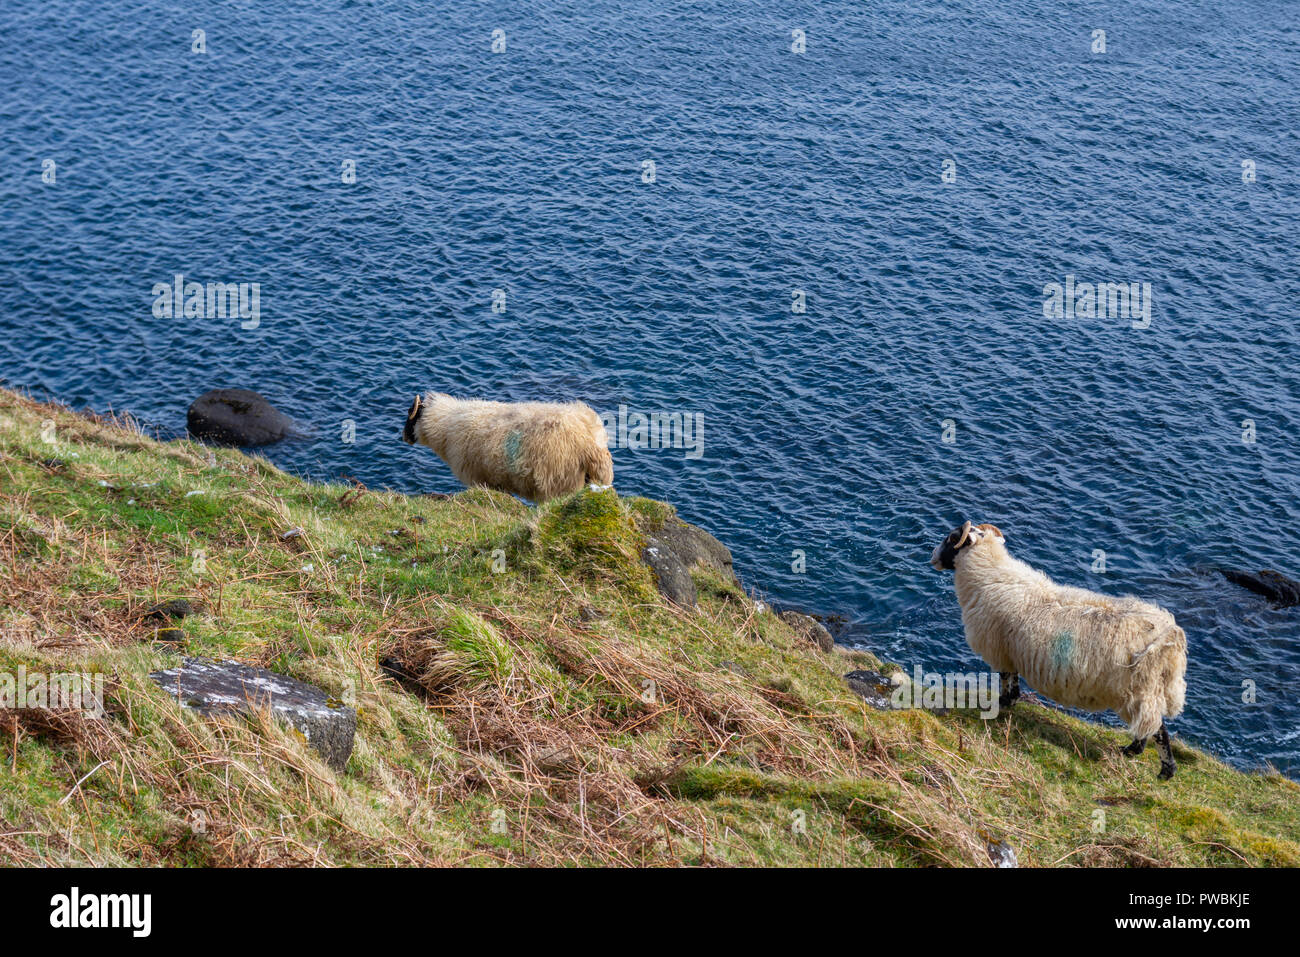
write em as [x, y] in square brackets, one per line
[775, 171]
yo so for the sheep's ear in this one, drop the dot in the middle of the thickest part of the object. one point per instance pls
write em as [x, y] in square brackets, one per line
[994, 531]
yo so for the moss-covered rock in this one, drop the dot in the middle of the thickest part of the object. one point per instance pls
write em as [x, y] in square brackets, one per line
[590, 533]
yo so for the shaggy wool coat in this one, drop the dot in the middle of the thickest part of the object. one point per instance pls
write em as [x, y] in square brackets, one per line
[537, 450]
[1075, 646]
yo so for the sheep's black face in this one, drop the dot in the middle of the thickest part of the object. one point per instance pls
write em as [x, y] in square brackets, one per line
[945, 555]
[412, 416]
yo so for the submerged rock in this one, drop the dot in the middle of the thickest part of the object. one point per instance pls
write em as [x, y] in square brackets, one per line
[237, 417]
[228, 687]
[1277, 588]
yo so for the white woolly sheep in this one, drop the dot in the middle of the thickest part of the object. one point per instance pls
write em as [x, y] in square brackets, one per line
[1077, 647]
[537, 450]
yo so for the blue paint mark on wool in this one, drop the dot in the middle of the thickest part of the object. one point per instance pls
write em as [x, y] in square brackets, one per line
[514, 443]
[1062, 651]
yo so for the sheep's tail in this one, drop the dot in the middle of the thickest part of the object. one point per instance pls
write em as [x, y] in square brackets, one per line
[1158, 684]
[599, 466]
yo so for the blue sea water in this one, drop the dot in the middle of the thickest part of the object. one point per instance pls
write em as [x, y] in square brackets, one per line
[774, 171]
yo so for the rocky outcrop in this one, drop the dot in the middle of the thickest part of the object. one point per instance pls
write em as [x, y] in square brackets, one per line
[237, 417]
[1277, 588]
[874, 688]
[671, 573]
[228, 687]
[674, 547]
[812, 630]
[693, 546]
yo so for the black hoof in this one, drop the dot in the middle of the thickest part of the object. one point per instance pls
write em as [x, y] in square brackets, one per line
[1006, 702]
[1167, 771]
[1131, 750]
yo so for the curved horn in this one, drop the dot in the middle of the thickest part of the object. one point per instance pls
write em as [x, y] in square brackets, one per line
[961, 538]
[412, 414]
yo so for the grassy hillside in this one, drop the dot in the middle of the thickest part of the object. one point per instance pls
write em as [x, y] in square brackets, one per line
[556, 710]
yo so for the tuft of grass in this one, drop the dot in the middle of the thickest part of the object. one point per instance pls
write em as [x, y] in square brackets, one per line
[648, 513]
[591, 533]
[478, 652]
[524, 696]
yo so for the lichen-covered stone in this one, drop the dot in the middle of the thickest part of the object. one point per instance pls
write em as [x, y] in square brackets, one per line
[874, 688]
[694, 546]
[228, 687]
[1001, 853]
[670, 572]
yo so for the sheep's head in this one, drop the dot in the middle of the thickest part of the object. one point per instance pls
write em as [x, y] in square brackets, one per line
[412, 416]
[944, 557]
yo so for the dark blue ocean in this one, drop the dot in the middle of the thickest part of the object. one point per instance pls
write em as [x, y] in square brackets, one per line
[1169, 159]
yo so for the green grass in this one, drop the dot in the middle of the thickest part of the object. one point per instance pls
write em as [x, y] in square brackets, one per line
[552, 708]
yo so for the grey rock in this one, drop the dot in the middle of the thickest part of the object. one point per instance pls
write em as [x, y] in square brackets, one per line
[1001, 854]
[1277, 588]
[173, 610]
[237, 417]
[589, 613]
[228, 687]
[694, 546]
[670, 573]
[810, 628]
[876, 689]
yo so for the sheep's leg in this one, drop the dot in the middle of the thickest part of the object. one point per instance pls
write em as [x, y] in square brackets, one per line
[1010, 681]
[1137, 747]
[1167, 765]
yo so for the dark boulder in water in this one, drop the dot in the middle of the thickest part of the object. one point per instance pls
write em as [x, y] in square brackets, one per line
[1277, 588]
[237, 417]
